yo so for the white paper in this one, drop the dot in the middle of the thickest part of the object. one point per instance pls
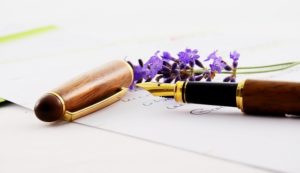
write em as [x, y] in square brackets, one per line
[264, 142]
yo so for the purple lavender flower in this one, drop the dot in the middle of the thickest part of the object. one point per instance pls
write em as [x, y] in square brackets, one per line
[169, 72]
[148, 70]
[188, 56]
[168, 69]
[153, 65]
[235, 57]
[208, 75]
[139, 73]
[166, 56]
[218, 64]
[227, 68]
[212, 56]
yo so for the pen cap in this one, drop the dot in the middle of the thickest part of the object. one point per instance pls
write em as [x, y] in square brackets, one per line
[85, 90]
[269, 97]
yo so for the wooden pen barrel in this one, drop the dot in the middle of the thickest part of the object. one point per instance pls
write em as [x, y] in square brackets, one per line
[270, 97]
[84, 90]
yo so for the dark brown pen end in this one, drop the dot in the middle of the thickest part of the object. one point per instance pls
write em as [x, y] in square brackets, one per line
[49, 108]
[270, 97]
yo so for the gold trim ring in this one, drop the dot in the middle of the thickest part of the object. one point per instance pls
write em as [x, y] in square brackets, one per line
[61, 100]
[130, 69]
[239, 95]
[178, 91]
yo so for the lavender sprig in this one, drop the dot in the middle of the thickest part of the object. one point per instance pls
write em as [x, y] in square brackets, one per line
[235, 57]
[186, 67]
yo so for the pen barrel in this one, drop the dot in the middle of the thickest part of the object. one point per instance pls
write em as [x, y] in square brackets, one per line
[210, 93]
[85, 90]
[270, 97]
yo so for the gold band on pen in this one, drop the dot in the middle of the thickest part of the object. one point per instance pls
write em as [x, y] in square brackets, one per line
[179, 91]
[183, 92]
[239, 95]
[131, 70]
[60, 99]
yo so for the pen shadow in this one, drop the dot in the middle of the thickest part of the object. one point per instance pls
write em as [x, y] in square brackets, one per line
[5, 103]
[287, 116]
[216, 111]
[58, 123]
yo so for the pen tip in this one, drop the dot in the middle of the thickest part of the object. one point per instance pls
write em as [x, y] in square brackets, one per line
[158, 89]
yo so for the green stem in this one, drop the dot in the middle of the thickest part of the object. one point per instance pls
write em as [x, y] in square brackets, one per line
[267, 68]
[259, 69]
[273, 65]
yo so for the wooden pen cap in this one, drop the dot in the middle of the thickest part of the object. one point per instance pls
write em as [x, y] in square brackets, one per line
[269, 97]
[87, 93]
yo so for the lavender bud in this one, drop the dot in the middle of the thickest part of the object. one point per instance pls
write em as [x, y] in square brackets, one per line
[139, 81]
[184, 77]
[227, 79]
[168, 80]
[166, 75]
[227, 68]
[165, 63]
[165, 72]
[166, 69]
[199, 64]
[187, 67]
[158, 78]
[206, 73]
[235, 64]
[191, 63]
[192, 78]
[175, 72]
[141, 62]
[174, 66]
[177, 78]
[208, 79]
[182, 66]
[198, 78]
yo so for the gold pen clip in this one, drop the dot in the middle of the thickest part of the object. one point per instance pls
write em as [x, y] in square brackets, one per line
[71, 116]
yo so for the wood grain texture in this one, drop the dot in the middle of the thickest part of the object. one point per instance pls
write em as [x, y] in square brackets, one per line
[95, 85]
[271, 97]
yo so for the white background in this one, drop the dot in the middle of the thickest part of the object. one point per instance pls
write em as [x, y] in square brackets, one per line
[136, 17]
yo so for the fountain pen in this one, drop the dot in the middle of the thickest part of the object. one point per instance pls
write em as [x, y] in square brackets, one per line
[261, 97]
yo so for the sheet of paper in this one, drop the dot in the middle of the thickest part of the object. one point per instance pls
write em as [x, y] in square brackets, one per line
[15, 32]
[70, 147]
[226, 133]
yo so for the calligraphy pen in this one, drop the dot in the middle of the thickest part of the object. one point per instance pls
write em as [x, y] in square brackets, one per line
[250, 96]
[107, 84]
